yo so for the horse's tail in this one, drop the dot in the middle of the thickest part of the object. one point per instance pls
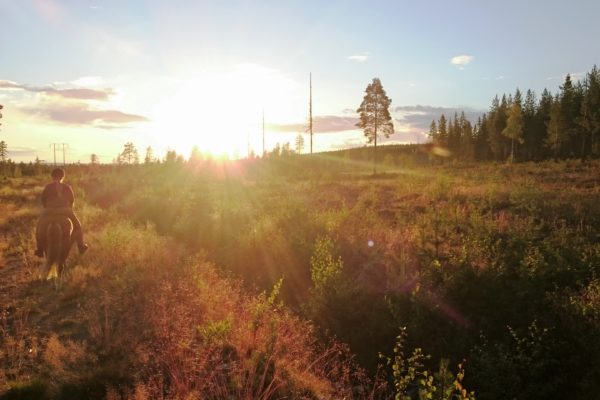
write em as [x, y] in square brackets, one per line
[54, 245]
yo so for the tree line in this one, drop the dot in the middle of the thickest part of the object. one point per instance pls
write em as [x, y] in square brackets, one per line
[559, 126]
[516, 127]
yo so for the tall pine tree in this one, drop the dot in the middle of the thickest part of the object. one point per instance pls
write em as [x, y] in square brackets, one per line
[589, 119]
[557, 133]
[375, 116]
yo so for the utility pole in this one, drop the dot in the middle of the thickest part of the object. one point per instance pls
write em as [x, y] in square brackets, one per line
[310, 121]
[64, 146]
[53, 145]
[263, 130]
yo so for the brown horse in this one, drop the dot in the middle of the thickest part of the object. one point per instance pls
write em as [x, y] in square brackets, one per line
[58, 231]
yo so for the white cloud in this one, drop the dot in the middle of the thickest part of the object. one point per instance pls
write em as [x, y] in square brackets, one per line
[362, 57]
[461, 60]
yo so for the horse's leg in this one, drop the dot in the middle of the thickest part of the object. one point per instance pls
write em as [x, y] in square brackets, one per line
[67, 242]
[44, 270]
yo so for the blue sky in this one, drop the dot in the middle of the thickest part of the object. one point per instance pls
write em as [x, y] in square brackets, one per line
[182, 73]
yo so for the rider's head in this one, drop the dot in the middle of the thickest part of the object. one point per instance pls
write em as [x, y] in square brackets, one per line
[58, 174]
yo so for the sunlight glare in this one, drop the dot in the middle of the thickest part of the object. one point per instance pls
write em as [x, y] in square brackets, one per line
[219, 112]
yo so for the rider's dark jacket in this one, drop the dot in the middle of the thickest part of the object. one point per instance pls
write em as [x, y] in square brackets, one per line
[57, 195]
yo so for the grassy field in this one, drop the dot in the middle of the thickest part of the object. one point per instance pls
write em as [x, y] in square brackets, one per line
[287, 278]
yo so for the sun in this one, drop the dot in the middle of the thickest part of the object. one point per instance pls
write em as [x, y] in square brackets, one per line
[220, 112]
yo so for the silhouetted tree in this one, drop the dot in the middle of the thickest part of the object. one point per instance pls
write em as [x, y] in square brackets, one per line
[149, 158]
[94, 159]
[433, 132]
[466, 142]
[195, 155]
[454, 134]
[560, 126]
[276, 152]
[299, 144]
[171, 157]
[3, 151]
[557, 134]
[569, 110]
[130, 154]
[497, 119]
[443, 131]
[589, 119]
[375, 116]
[3, 146]
[529, 121]
[285, 149]
[542, 120]
[480, 138]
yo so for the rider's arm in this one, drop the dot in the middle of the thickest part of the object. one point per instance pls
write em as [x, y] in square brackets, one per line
[70, 195]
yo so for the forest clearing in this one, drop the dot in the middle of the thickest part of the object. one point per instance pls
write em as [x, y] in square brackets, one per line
[273, 279]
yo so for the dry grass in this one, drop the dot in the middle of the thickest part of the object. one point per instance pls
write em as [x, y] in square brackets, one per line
[165, 325]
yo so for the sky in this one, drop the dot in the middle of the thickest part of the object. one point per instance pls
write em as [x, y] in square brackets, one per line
[95, 74]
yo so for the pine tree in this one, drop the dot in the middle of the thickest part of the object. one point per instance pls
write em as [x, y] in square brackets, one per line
[556, 129]
[433, 133]
[3, 151]
[497, 123]
[195, 155]
[149, 158]
[542, 120]
[589, 119]
[454, 134]
[529, 110]
[94, 160]
[518, 99]
[375, 116]
[569, 111]
[285, 150]
[129, 154]
[299, 144]
[514, 127]
[480, 138]
[171, 157]
[467, 146]
[442, 131]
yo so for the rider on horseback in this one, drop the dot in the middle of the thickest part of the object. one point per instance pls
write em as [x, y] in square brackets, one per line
[58, 199]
